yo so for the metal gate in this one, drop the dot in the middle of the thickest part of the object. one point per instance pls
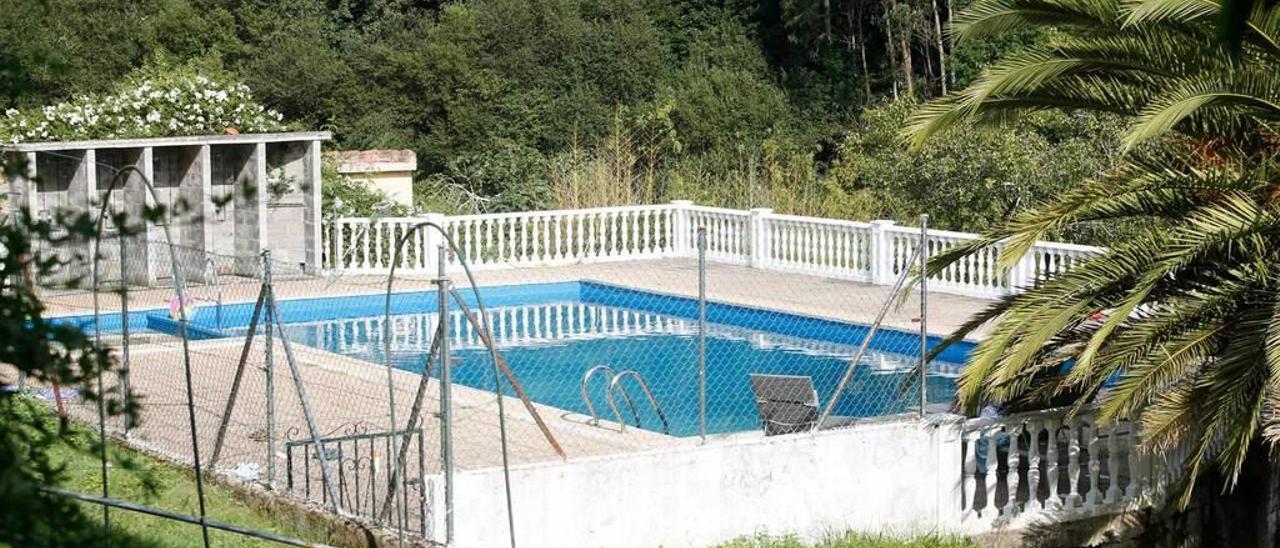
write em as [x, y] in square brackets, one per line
[364, 469]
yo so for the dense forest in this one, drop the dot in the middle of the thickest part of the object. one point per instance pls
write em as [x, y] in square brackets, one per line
[517, 104]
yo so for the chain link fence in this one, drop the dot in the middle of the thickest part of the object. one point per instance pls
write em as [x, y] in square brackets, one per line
[326, 387]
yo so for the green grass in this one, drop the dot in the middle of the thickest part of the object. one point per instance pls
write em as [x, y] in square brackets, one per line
[854, 540]
[144, 479]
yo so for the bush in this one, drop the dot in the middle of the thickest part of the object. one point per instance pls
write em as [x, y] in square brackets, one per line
[150, 104]
[342, 197]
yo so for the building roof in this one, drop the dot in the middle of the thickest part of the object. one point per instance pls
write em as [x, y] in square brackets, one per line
[244, 138]
[375, 161]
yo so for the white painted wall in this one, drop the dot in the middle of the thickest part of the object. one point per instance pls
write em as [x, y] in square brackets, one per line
[882, 476]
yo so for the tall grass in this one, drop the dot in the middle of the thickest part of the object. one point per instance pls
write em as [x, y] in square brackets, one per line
[627, 169]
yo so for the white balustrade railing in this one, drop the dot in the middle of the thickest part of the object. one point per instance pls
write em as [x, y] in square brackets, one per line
[563, 237]
[873, 252]
[1019, 468]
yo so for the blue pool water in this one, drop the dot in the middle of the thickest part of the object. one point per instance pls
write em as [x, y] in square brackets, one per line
[551, 334]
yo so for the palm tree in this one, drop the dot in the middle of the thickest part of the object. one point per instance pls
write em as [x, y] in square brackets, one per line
[1177, 328]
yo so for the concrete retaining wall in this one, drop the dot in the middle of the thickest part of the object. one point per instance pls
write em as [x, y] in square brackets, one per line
[882, 476]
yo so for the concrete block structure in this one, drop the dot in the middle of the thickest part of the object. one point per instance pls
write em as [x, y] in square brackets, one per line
[226, 196]
[389, 171]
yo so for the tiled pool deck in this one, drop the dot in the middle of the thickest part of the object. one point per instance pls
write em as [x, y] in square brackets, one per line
[345, 391]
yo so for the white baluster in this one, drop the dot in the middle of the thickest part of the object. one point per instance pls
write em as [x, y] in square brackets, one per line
[1033, 465]
[366, 240]
[632, 234]
[1073, 463]
[1113, 464]
[512, 238]
[541, 250]
[970, 474]
[489, 252]
[1095, 466]
[828, 251]
[1134, 489]
[500, 243]
[642, 243]
[1011, 505]
[575, 237]
[1052, 502]
[587, 236]
[791, 244]
[668, 231]
[620, 220]
[477, 242]
[611, 227]
[992, 472]
[340, 249]
[842, 261]
[525, 251]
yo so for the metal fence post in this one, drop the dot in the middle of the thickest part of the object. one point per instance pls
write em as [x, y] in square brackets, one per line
[446, 394]
[124, 328]
[268, 327]
[924, 309]
[702, 333]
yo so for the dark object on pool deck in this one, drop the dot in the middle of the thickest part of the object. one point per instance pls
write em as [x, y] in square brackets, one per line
[789, 404]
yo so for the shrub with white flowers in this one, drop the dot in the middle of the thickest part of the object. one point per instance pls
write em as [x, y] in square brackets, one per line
[163, 106]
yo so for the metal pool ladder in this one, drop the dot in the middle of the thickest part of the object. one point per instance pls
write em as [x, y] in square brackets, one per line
[615, 383]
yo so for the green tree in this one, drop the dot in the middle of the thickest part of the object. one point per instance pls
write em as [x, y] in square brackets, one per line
[969, 178]
[1189, 339]
[53, 49]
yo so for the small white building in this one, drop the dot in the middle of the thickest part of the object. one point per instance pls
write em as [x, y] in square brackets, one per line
[242, 193]
[389, 171]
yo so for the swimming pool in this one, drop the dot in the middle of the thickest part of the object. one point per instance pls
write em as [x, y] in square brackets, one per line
[551, 334]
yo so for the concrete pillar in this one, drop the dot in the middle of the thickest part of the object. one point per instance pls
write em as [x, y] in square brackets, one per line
[759, 242]
[77, 253]
[948, 444]
[139, 266]
[432, 240]
[682, 237]
[82, 182]
[191, 230]
[312, 213]
[880, 258]
[22, 188]
[251, 197]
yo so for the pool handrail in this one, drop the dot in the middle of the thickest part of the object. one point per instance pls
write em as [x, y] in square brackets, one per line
[586, 398]
[617, 382]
